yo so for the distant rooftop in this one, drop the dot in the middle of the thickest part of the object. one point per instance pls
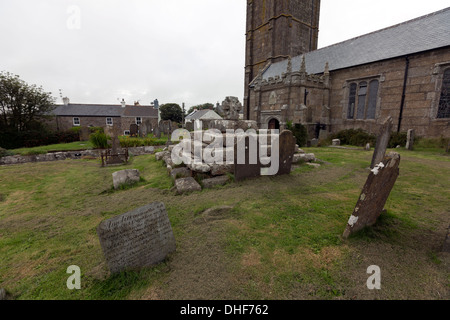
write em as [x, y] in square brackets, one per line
[425, 33]
[104, 110]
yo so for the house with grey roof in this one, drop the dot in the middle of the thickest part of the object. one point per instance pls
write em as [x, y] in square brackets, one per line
[401, 72]
[123, 116]
[203, 115]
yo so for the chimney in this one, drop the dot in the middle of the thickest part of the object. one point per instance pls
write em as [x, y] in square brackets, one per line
[123, 103]
[66, 101]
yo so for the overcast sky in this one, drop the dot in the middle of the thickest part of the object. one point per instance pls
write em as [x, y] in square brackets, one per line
[100, 51]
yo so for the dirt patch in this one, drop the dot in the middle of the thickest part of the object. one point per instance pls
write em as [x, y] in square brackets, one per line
[199, 267]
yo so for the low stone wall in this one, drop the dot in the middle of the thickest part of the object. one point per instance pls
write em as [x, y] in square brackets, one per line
[55, 156]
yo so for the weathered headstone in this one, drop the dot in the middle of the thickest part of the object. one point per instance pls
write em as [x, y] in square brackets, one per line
[382, 142]
[216, 181]
[286, 152]
[314, 142]
[125, 177]
[373, 197]
[410, 139]
[250, 165]
[157, 133]
[84, 134]
[367, 148]
[134, 128]
[336, 142]
[187, 185]
[137, 239]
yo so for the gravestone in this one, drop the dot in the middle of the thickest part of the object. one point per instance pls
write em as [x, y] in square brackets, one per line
[286, 152]
[146, 128]
[137, 239]
[336, 142]
[410, 139]
[373, 197]
[189, 126]
[314, 142]
[382, 142]
[84, 133]
[114, 157]
[246, 169]
[125, 177]
[134, 128]
[157, 133]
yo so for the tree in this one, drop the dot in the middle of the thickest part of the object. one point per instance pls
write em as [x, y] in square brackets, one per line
[22, 106]
[201, 107]
[172, 112]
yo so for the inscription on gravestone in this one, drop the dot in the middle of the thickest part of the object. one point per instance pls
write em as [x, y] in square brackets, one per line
[136, 239]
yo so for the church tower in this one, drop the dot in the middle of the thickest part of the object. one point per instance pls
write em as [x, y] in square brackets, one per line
[276, 30]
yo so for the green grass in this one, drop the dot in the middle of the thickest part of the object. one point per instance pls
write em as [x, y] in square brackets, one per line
[282, 240]
[78, 145]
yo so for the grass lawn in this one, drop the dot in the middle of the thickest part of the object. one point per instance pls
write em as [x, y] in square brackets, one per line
[72, 146]
[281, 240]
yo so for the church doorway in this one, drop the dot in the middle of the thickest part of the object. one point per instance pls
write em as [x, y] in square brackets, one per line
[274, 124]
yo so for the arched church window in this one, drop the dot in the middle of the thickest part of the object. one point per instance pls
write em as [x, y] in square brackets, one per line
[351, 101]
[362, 101]
[444, 102]
[372, 103]
[362, 93]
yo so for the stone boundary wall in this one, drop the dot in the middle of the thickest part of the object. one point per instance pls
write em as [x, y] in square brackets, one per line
[63, 155]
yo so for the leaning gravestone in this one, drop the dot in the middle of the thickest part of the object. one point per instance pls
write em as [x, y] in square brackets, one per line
[382, 142]
[374, 194]
[137, 239]
[286, 152]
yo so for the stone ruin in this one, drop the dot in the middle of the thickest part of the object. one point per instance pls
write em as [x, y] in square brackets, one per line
[218, 173]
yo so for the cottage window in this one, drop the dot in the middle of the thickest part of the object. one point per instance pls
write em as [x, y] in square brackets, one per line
[138, 120]
[126, 133]
[109, 121]
[362, 100]
[76, 122]
[444, 102]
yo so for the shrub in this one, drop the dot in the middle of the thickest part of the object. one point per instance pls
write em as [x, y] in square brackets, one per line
[99, 140]
[354, 137]
[397, 139]
[300, 133]
[4, 153]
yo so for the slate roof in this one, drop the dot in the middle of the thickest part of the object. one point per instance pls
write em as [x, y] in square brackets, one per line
[425, 33]
[100, 110]
[140, 111]
[199, 114]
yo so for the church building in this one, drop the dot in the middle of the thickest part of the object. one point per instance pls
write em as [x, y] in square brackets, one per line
[401, 72]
